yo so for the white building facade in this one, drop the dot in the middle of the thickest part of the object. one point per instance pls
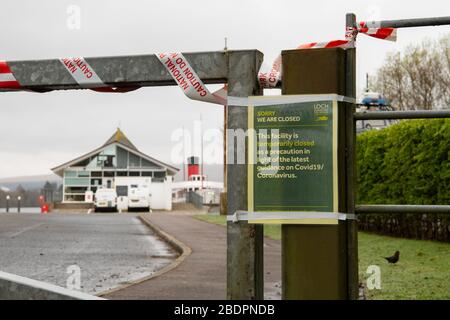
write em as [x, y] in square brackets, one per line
[120, 165]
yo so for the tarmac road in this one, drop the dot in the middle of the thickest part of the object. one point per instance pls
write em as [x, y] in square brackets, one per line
[110, 249]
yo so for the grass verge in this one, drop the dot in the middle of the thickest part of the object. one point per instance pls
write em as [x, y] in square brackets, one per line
[423, 271]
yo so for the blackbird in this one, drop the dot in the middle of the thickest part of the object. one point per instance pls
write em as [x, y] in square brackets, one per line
[393, 259]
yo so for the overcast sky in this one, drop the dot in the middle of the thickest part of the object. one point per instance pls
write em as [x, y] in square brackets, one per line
[40, 131]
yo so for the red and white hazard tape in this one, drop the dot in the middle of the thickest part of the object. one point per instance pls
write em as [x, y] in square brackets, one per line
[82, 72]
[175, 63]
[389, 34]
[186, 77]
[373, 29]
[370, 30]
[188, 80]
[86, 77]
[270, 79]
[7, 79]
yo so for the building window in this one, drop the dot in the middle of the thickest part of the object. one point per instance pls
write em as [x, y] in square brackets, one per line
[109, 163]
[96, 174]
[70, 173]
[122, 173]
[147, 174]
[76, 181]
[108, 173]
[122, 158]
[134, 174]
[96, 182]
[159, 176]
[76, 190]
[83, 174]
[74, 198]
[122, 191]
[135, 161]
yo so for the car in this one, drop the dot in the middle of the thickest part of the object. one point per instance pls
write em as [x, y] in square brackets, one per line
[139, 198]
[373, 99]
[105, 199]
[365, 125]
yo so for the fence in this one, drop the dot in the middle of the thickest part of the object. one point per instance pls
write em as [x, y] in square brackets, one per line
[350, 138]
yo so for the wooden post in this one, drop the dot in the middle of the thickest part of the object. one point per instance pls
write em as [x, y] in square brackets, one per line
[314, 257]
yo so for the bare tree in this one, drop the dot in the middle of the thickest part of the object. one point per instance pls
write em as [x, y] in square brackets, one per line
[443, 48]
[391, 81]
[419, 78]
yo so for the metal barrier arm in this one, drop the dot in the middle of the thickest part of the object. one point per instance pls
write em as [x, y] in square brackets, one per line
[121, 71]
[382, 208]
[386, 115]
[419, 22]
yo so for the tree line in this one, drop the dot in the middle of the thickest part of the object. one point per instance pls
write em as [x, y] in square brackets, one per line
[418, 78]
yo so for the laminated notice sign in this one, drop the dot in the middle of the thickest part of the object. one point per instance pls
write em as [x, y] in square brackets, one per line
[292, 160]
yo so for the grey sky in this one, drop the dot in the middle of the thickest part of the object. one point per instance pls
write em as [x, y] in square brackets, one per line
[40, 131]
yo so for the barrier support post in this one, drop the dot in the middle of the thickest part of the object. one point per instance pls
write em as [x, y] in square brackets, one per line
[245, 279]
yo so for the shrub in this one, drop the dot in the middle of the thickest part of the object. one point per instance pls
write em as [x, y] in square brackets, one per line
[406, 163]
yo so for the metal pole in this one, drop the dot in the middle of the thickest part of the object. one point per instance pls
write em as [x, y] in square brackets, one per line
[384, 208]
[223, 194]
[184, 157]
[385, 115]
[245, 277]
[201, 151]
[409, 23]
[350, 168]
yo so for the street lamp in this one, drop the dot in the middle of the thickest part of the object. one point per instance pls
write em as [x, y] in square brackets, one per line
[7, 203]
[18, 203]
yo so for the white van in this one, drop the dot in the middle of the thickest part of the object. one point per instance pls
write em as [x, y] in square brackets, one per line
[105, 199]
[139, 198]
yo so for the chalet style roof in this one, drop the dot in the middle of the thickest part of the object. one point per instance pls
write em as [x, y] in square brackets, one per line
[121, 140]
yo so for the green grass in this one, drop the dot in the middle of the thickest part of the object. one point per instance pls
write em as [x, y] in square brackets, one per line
[423, 271]
[222, 220]
[271, 231]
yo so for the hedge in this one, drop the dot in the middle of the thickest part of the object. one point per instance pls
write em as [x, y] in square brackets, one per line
[406, 163]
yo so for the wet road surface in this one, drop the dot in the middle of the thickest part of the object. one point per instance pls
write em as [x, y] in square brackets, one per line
[109, 249]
